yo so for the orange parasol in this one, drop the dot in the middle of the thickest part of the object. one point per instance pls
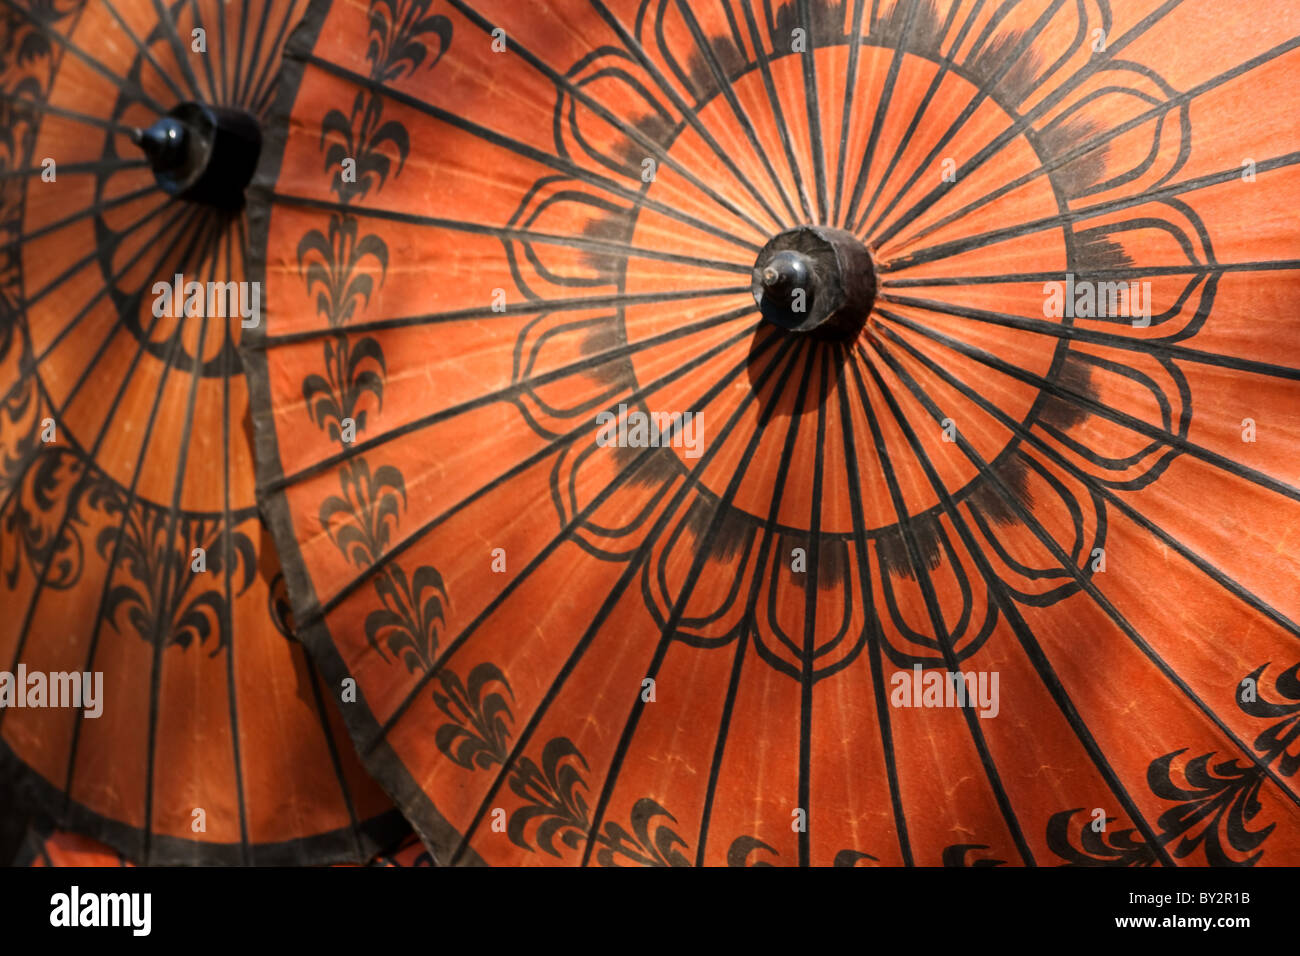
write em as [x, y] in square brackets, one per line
[752, 432]
[152, 694]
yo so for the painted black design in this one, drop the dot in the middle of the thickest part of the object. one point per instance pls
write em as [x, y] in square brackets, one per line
[481, 734]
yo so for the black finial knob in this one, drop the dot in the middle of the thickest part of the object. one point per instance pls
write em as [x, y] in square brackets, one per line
[203, 153]
[816, 280]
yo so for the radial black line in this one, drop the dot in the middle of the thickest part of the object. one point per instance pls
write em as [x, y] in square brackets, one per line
[1157, 347]
[872, 620]
[95, 166]
[84, 375]
[513, 390]
[690, 116]
[992, 237]
[1100, 489]
[50, 33]
[317, 613]
[42, 106]
[162, 614]
[89, 211]
[812, 100]
[265, 84]
[982, 93]
[526, 307]
[666, 633]
[200, 225]
[705, 49]
[1100, 599]
[505, 233]
[228, 522]
[788, 350]
[1130, 272]
[1094, 65]
[811, 589]
[1227, 465]
[216, 93]
[145, 52]
[1096, 141]
[764, 59]
[243, 92]
[882, 107]
[240, 47]
[930, 598]
[846, 115]
[945, 67]
[1033, 651]
[492, 138]
[171, 33]
[630, 130]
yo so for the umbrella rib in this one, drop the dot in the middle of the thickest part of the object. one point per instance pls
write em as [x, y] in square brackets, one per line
[1094, 65]
[144, 51]
[945, 67]
[316, 613]
[882, 108]
[265, 85]
[1157, 347]
[85, 212]
[812, 585]
[935, 613]
[705, 49]
[40, 106]
[1008, 63]
[633, 46]
[172, 34]
[509, 309]
[778, 111]
[227, 558]
[85, 373]
[1033, 651]
[594, 360]
[872, 622]
[239, 77]
[540, 156]
[95, 166]
[244, 92]
[630, 130]
[162, 612]
[787, 349]
[53, 34]
[1220, 577]
[1227, 465]
[332, 746]
[846, 114]
[812, 100]
[200, 228]
[213, 89]
[1087, 585]
[748, 623]
[992, 237]
[506, 233]
[692, 578]
[1087, 146]
[1131, 272]
[577, 521]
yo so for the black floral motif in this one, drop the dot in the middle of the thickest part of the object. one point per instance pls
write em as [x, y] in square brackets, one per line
[362, 519]
[329, 265]
[641, 846]
[43, 537]
[555, 801]
[161, 595]
[400, 31]
[352, 370]
[957, 855]
[360, 137]
[1097, 848]
[480, 734]
[412, 614]
[1279, 742]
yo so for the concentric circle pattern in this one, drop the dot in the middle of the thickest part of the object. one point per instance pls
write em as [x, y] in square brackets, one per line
[626, 575]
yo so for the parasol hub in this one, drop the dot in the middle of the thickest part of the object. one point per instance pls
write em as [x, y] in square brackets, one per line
[815, 280]
[205, 154]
